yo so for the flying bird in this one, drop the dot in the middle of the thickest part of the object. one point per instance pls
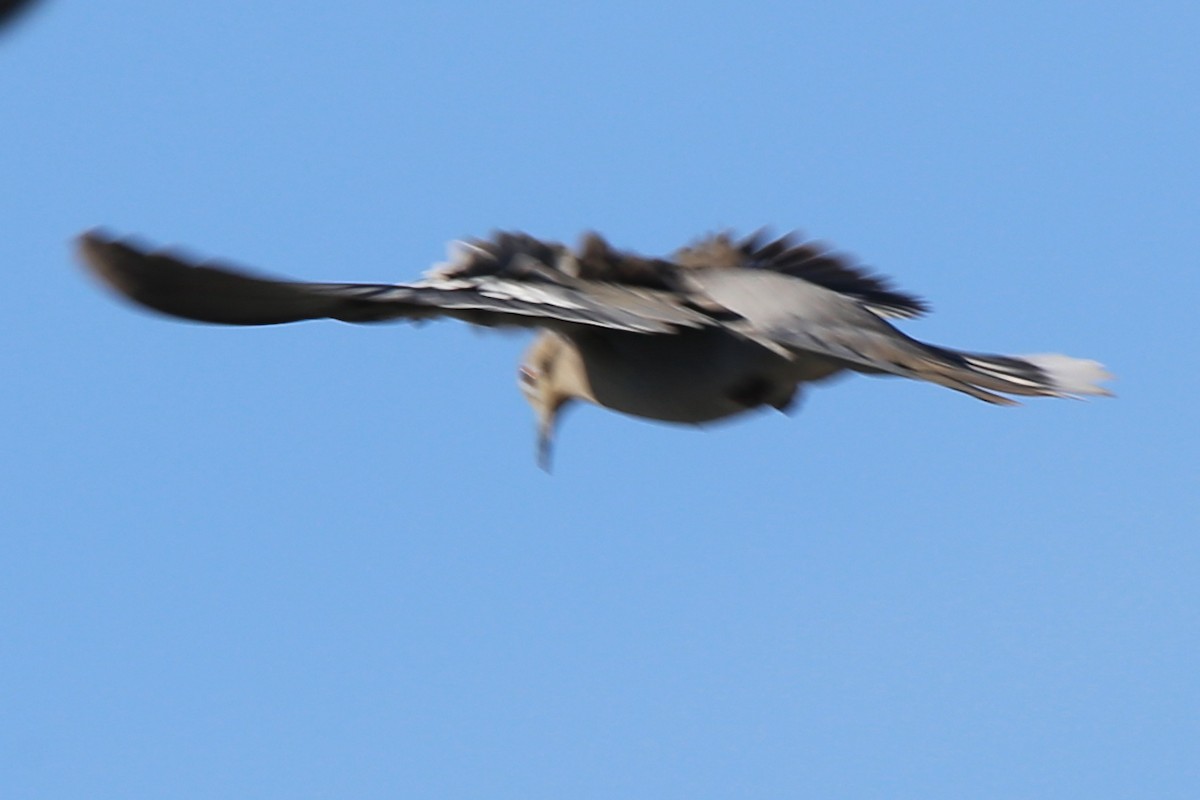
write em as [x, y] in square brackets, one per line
[721, 327]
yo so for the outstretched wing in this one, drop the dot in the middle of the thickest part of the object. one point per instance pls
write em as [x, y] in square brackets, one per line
[817, 263]
[520, 289]
[805, 318]
[809, 261]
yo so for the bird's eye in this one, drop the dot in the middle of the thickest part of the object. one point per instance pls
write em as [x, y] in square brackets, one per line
[527, 375]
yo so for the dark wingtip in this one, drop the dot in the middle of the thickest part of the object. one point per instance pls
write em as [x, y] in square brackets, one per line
[150, 279]
[89, 243]
[181, 286]
[168, 284]
[107, 258]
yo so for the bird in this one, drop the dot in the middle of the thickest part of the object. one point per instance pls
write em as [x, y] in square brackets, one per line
[721, 327]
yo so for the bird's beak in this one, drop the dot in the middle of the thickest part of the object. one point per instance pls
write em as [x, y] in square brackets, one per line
[547, 425]
[545, 444]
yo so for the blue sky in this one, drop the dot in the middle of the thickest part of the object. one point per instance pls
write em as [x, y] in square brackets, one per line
[318, 560]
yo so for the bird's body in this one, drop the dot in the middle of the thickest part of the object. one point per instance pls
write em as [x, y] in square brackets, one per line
[720, 328]
[697, 376]
[693, 377]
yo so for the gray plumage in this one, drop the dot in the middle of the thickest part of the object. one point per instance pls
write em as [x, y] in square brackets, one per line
[721, 327]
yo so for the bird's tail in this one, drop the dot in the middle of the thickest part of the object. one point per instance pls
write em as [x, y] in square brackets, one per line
[1043, 374]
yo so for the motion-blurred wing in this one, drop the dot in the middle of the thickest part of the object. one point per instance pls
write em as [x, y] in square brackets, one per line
[818, 263]
[521, 292]
[808, 261]
[782, 312]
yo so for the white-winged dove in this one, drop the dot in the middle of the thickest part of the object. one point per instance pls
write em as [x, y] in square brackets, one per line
[719, 328]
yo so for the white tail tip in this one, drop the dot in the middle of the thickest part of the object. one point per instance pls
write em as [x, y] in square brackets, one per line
[1071, 376]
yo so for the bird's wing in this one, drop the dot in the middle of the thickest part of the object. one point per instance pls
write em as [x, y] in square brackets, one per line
[521, 290]
[796, 315]
[782, 312]
[818, 263]
[810, 261]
